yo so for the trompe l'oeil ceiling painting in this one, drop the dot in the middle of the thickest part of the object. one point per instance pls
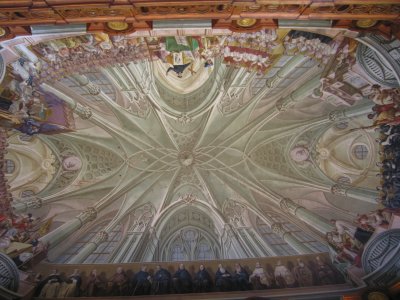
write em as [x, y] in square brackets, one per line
[200, 134]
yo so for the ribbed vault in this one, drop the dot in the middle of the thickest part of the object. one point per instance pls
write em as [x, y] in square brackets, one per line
[238, 145]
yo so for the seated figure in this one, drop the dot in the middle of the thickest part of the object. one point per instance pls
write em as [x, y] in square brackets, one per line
[223, 280]
[240, 278]
[182, 281]
[142, 282]
[259, 278]
[202, 281]
[51, 285]
[283, 277]
[162, 281]
[72, 286]
[324, 272]
[96, 286]
[303, 274]
[119, 283]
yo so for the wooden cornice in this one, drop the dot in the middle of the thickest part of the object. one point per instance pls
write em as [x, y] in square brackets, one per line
[17, 16]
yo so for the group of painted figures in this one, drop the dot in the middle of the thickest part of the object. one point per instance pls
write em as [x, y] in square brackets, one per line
[19, 236]
[23, 105]
[5, 195]
[315, 272]
[386, 120]
[349, 238]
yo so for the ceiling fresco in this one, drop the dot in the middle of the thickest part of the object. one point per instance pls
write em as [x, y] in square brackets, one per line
[220, 133]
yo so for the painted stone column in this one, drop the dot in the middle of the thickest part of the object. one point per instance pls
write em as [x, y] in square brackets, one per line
[299, 94]
[293, 242]
[83, 81]
[305, 215]
[62, 232]
[129, 248]
[28, 53]
[285, 70]
[25, 205]
[151, 253]
[89, 248]
[361, 194]
[352, 112]
[231, 244]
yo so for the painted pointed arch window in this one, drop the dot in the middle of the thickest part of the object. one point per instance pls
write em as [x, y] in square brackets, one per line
[191, 244]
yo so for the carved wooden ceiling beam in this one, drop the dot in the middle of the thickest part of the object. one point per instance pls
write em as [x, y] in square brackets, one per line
[125, 16]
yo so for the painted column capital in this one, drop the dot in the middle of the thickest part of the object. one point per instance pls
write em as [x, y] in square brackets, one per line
[93, 89]
[83, 111]
[34, 203]
[339, 189]
[22, 205]
[336, 115]
[88, 215]
[282, 104]
[289, 206]
[100, 237]
[278, 229]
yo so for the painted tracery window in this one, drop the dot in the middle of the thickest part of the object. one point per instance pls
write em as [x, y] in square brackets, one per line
[9, 166]
[178, 253]
[204, 251]
[190, 244]
[360, 151]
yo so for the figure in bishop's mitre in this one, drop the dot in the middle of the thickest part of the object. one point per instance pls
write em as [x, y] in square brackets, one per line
[181, 52]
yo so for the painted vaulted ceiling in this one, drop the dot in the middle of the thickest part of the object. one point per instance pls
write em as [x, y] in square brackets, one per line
[195, 121]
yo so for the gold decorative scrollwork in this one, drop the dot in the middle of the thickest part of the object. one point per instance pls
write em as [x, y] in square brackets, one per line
[246, 22]
[366, 23]
[118, 26]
